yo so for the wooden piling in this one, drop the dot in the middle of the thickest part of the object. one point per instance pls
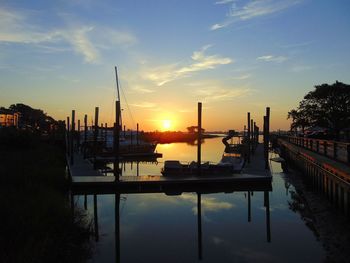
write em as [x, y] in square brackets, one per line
[72, 138]
[252, 135]
[137, 134]
[95, 135]
[78, 137]
[248, 137]
[116, 141]
[85, 134]
[199, 138]
[68, 137]
[267, 137]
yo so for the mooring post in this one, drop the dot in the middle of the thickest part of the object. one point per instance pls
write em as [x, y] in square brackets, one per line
[267, 137]
[248, 136]
[252, 135]
[199, 138]
[255, 135]
[85, 135]
[137, 134]
[72, 138]
[78, 138]
[106, 129]
[116, 141]
[95, 136]
[68, 137]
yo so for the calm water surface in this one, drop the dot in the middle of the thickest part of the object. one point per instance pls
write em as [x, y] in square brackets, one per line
[160, 228]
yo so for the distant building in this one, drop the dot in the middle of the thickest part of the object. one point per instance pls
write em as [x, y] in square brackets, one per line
[9, 118]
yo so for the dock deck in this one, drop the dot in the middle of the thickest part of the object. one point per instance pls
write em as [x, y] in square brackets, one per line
[86, 180]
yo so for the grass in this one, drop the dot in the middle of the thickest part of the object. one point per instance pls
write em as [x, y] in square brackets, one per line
[37, 224]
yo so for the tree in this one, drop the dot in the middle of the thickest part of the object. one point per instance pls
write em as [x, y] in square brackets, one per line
[327, 106]
[35, 118]
[194, 129]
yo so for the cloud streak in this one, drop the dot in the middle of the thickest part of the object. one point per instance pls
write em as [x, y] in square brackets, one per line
[144, 105]
[86, 41]
[272, 58]
[200, 61]
[252, 9]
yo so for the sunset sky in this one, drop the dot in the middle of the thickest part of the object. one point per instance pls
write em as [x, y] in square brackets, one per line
[232, 55]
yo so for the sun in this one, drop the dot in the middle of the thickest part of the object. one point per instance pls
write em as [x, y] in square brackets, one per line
[167, 124]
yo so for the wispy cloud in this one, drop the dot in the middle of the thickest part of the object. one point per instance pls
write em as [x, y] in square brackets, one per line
[223, 2]
[242, 77]
[16, 27]
[141, 89]
[200, 61]
[144, 105]
[242, 10]
[272, 58]
[221, 94]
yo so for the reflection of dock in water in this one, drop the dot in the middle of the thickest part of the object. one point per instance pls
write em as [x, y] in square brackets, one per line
[199, 194]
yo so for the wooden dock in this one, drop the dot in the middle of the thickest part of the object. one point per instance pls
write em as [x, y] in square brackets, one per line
[254, 177]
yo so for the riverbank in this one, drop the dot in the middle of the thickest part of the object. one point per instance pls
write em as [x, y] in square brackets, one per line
[174, 136]
[37, 224]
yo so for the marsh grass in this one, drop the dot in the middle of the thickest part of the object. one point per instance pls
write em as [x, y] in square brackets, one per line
[37, 224]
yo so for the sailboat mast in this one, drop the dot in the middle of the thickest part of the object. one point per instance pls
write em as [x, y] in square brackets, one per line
[117, 81]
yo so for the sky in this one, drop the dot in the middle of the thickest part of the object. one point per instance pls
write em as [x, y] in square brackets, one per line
[234, 56]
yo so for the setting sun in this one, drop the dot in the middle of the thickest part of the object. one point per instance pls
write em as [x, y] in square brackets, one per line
[166, 124]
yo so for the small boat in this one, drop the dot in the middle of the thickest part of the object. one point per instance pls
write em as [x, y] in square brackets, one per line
[227, 166]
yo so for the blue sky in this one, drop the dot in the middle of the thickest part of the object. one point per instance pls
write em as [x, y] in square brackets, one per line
[234, 56]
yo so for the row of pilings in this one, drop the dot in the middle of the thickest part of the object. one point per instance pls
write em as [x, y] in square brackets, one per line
[323, 181]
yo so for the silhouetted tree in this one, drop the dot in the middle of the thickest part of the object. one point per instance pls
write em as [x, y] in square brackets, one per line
[35, 118]
[327, 106]
[193, 129]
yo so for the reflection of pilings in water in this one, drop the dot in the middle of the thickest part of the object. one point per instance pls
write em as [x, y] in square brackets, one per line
[85, 202]
[117, 227]
[249, 208]
[72, 204]
[95, 218]
[199, 225]
[267, 208]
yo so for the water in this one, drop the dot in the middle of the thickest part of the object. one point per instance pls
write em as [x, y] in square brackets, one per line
[160, 228]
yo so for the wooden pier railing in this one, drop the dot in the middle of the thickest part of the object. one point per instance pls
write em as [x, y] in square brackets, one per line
[339, 151]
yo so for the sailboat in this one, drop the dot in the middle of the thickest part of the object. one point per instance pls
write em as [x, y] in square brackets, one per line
[130, 144]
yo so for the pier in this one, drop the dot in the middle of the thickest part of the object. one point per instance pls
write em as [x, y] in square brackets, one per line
[324, 163]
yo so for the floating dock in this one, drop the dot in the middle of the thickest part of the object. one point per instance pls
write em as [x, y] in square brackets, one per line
[86, 180]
